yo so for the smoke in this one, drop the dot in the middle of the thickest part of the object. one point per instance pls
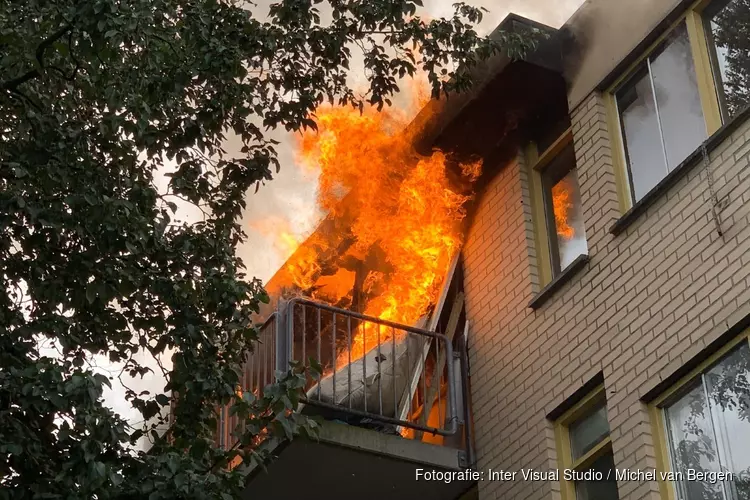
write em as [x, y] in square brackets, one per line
[550, 12]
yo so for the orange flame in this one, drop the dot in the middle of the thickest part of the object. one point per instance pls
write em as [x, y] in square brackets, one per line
[279, 231]
[397, 207]
[561, 205]
[304, 268]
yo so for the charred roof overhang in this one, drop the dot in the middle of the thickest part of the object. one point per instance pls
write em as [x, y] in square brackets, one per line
[509, 96]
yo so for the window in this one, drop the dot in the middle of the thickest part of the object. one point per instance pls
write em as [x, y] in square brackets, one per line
[556, 194]
[564, 215]
[727, 24]
[693, 79]
[583, 444]
[660, 113]
[704, 424]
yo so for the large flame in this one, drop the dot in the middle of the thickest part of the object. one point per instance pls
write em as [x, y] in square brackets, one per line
[561, 204]
[394, 211]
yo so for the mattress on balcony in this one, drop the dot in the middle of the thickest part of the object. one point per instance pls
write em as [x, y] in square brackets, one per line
[377, 392]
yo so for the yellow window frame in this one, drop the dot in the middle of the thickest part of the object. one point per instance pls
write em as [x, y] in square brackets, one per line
[658, 422]
[536, 163]
[693, 19]
[562, 440]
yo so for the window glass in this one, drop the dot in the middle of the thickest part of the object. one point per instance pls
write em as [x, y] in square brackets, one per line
[660, 113]
[564, 210]
[591, 454]
[709, 430]
[640, 129]
[728, 25]
[728, 388]
[568, 215]
[600, 490]
[588, 432]
[693, 445]
[677, 98]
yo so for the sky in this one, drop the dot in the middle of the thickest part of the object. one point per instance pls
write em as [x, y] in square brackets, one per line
[288, 201]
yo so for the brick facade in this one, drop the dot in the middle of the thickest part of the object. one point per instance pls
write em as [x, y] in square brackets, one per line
[649, 300]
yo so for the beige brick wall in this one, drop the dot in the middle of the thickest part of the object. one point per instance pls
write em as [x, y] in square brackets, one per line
[649, 300]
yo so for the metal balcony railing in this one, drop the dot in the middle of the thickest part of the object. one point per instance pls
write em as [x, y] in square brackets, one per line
[258, 372]
[375, 369]
[376, 373]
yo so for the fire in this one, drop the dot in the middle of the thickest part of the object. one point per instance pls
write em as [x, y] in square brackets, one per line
[561, 205]
[279, 231]
[304, 268]
[396, 213]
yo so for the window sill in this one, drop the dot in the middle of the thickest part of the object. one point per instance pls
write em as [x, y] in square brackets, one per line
[557, 283]
[629, 217]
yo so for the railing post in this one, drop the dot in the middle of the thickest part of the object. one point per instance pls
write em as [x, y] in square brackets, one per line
[453, 424]
[283, 344]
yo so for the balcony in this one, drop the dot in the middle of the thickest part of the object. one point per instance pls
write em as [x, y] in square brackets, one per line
[393, 400]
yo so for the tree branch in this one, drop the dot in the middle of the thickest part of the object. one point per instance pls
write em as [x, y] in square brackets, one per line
[13, 83]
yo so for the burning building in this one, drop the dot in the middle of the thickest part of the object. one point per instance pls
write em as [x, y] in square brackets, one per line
[547, 273]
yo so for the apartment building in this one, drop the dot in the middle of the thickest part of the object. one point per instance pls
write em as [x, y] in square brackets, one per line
[603, 288]
[611, 333]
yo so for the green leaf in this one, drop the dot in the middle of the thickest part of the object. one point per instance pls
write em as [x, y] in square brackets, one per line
[136, 435]
[100, 470]
[91, 292]
[315, 367]
[172, 464]
[19, 171]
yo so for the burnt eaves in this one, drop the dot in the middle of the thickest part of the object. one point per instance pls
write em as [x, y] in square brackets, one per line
[505, 93]
[511, 101]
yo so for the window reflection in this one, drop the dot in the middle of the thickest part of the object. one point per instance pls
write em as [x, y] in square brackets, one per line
[728, 25]
[678, 100]
[660, 113]
[729, 400]
[709, 428]
[693, 444]
[640, 127]
[588, 432]
[600, 490]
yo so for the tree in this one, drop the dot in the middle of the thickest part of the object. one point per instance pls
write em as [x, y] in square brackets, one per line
[95, 97]
[729, 28]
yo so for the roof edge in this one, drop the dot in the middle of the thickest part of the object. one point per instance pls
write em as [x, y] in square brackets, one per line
[432, 120]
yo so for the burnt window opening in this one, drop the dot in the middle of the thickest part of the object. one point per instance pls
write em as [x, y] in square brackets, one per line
[380, 375]
[548, 124]
[563, 210]
[557, 206]
[457, 328]
[548, 130]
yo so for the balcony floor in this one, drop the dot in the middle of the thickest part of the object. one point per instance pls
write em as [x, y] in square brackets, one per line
[354, 463]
